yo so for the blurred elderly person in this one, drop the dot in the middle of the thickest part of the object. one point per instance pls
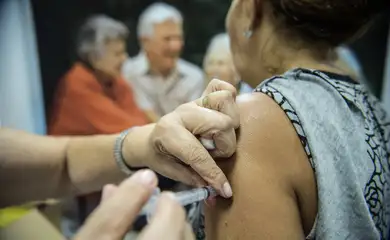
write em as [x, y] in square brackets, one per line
[161, 80]
[92, 98]
[218, 63]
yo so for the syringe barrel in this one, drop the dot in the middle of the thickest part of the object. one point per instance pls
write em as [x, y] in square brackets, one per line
[195, 195]
[184, 198]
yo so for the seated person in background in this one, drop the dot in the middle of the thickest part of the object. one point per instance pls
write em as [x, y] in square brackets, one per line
[313, 152]
[161, 80]
[218, 63]
[92, 98]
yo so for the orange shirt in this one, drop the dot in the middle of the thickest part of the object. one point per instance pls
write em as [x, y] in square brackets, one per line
[86, 105]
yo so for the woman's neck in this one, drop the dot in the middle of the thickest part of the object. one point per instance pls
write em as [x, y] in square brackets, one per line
[289, 59]
[279, 53]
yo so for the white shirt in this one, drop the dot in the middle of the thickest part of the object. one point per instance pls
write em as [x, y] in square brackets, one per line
[163, 95]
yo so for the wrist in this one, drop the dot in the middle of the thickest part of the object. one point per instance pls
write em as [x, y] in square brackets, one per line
[136, 148]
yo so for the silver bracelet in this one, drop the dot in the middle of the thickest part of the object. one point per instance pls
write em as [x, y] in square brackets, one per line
[118, 154]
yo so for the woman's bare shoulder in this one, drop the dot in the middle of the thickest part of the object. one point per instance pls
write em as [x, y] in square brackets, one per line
[270, 166]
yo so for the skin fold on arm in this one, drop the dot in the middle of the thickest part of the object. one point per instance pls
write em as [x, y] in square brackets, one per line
[274, 189]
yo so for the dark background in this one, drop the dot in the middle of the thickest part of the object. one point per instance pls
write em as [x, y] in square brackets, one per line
[57, 22]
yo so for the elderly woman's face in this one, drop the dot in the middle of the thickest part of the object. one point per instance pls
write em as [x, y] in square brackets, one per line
[112, 58]
[220, 65]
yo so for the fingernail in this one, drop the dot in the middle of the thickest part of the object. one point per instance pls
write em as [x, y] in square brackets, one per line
[145, 177]
[227, 190]
[205, 102]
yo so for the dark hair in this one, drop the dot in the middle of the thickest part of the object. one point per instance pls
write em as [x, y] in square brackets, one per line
[331, 21]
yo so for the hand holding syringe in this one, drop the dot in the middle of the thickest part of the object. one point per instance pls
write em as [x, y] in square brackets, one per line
[184, 198]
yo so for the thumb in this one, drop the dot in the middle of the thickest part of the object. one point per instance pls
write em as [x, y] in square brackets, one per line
[222, 101]
[114, 216]
[219, 85]
[108, 191]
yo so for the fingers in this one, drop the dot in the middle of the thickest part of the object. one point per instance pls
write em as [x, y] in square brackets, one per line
[218, 85]
[174, 136]
[224, 141]
[187, 148]
[180, 172]
[113, 218]
[199, 120]
[224, 102]
[225, 144]
[168, 222]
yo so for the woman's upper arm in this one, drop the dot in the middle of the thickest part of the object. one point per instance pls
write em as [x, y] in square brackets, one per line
[267, 173]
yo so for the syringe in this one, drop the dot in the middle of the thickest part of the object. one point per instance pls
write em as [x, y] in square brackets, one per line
[184, 198]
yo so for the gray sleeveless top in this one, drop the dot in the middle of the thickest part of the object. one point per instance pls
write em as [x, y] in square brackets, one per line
[345, 134]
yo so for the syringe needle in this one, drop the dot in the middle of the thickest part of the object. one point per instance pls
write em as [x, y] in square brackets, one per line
[184, 198]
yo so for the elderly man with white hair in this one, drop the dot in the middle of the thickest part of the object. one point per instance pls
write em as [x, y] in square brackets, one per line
[161, 80]
[218, 63]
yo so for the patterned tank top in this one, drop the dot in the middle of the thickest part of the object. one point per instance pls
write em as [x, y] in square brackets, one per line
[345, 134]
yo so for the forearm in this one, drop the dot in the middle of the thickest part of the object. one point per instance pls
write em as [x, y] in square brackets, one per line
[89, 164]
[39, 167]
[91, 160]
